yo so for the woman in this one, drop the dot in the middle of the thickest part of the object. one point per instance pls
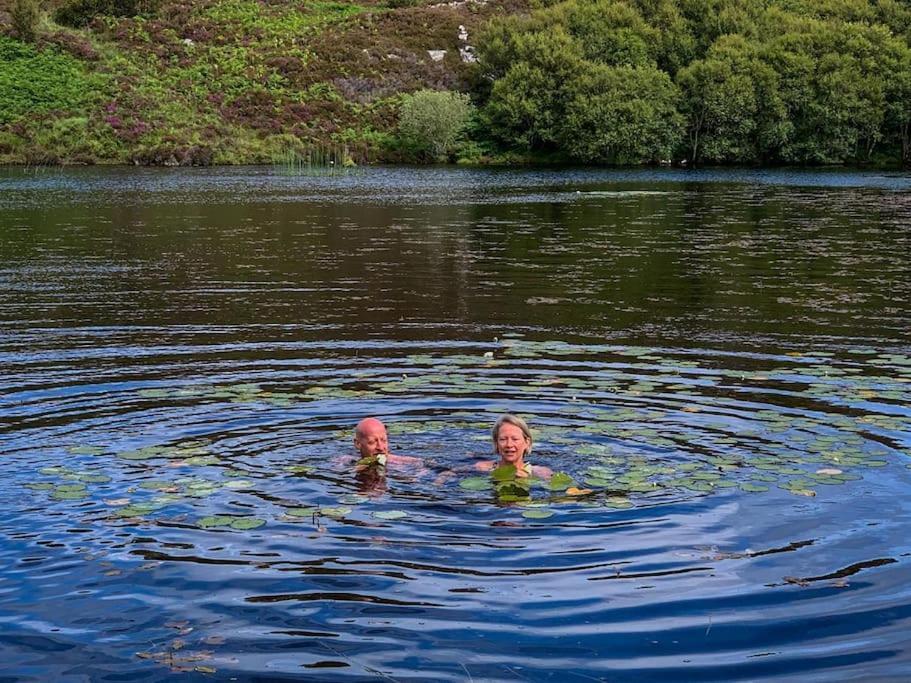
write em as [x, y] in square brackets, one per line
[512, 441]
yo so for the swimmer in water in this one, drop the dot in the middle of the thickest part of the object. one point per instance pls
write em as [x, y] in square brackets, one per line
[372, 442]
[512, 441]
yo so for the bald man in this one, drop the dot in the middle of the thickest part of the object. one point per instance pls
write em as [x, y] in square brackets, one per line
[371, 441]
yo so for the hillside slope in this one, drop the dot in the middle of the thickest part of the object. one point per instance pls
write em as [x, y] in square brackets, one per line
[229, 81]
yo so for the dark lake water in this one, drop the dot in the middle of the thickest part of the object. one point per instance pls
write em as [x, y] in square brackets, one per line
[719, 362]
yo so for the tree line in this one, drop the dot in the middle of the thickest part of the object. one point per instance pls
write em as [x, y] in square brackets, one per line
[705, 81]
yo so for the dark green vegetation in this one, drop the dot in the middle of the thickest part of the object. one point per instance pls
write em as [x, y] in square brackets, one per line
[631, 81]
[784, 81]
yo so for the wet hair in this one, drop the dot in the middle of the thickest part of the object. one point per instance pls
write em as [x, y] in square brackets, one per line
[516, 421]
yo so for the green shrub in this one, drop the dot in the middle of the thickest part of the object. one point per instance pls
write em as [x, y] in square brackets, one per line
[26, 16]
[80, 13]
[430, 123]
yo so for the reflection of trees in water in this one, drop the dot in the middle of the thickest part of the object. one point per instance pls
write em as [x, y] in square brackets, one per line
[607, 252]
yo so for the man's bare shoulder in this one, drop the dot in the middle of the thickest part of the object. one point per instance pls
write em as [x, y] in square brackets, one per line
[393, 459]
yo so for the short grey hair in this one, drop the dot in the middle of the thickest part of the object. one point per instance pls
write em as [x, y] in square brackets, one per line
[516, 421]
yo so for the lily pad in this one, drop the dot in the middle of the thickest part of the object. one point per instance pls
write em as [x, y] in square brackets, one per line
[157, 485]
[93, 478]
[336, 512]
[246, 523]
[618, 502]
[560, 481]
[537, 513]
[475, 484]
[353, 499]
[753, 488]
[132, 511]
[298, 469]
[214, 521]
[86, 450]
[503, 473]
[144, 453]
[70, 492]
[301, 512]
[202, 460]
[390, 514]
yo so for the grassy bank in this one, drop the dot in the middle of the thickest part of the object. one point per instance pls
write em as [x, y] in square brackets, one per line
[226, 81]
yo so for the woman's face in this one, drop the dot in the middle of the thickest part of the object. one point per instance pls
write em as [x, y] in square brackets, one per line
[511, 443]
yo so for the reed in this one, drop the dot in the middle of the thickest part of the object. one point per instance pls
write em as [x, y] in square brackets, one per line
[321, 160]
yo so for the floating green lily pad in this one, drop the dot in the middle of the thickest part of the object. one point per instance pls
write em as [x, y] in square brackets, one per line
[69, 492]
[560, 481]
[132, 511]
[154, 393]
[86, 450]
[353, 499]
[753, 488]
[144, 453]
[247, 523]
[156, 484]
[537, 513]
[336, 512]
[298, 469]
[503, 473]
[390, 514]
[202, 460]
[301, 512]
[93, 478]
[239, 484]
[55, 470]
[40, 486]
[215, 521]
[618, 502]
[475, 484]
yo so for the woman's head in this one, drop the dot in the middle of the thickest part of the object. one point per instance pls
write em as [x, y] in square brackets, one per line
[511, 438]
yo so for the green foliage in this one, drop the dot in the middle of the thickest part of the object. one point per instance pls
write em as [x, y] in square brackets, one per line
[430, 122]
[626, 81]
[527, 103]
[621, 115]
[80, 13]
[26, 17]
[33, 81]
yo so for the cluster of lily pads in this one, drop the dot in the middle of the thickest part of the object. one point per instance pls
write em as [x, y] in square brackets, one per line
[234, 393]
[633, 425]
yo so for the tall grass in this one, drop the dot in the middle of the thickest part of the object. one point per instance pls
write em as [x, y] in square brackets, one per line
[316, 161]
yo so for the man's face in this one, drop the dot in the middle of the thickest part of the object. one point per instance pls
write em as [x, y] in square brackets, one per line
[372, 441]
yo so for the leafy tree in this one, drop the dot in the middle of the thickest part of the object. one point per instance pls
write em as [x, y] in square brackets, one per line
[527, 103]
[833, 84]
[621, 115]
[733, 109]
[431, 121]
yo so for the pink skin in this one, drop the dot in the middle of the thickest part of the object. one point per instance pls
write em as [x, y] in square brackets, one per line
[511, 446]
[370, 438]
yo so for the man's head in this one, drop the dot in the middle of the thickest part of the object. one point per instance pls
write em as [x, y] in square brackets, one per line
[370, 438]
